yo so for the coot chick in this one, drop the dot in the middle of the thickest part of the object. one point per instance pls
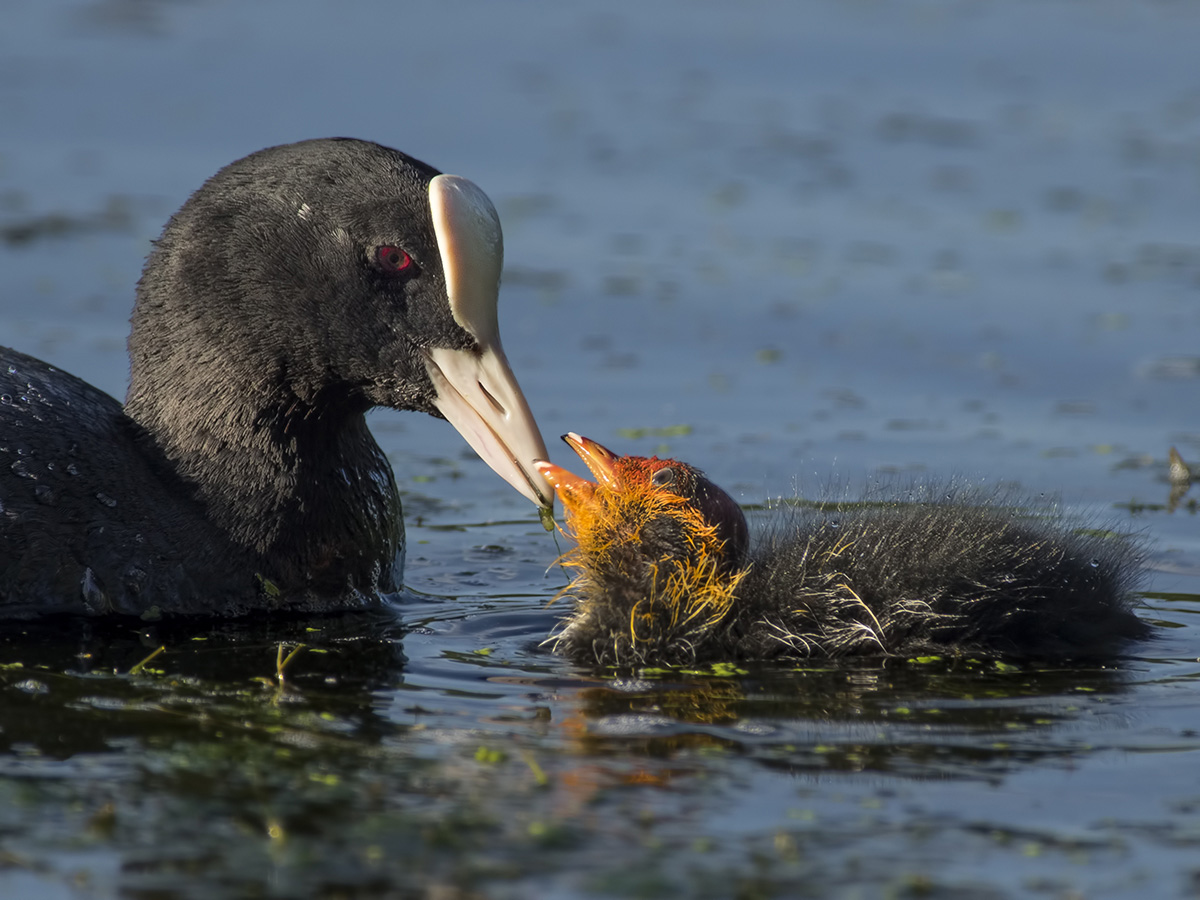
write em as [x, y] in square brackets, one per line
[297, 289]
[666, 575]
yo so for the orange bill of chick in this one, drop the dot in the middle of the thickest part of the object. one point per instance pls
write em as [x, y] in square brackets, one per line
[658, 555]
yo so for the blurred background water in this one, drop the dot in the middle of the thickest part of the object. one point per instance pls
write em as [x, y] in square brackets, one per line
[804, 246]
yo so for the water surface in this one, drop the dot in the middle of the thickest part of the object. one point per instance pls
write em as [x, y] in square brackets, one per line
[804, 246]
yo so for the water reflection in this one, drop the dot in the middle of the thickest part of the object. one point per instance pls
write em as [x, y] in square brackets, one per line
[371, 769]
[828, 240]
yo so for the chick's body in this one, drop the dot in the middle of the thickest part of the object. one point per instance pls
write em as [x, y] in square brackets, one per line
[665, 575]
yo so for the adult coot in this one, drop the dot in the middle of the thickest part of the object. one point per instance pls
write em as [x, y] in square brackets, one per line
[667, 575]
[298, 288]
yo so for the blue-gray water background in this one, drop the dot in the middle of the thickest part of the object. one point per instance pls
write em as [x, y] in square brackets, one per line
[802, 245]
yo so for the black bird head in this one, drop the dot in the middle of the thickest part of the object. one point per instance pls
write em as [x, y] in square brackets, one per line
[313, 281]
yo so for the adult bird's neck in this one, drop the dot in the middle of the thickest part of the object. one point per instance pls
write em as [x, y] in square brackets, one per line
[299, 483]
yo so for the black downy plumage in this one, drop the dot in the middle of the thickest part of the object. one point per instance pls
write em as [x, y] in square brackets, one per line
[667, 575]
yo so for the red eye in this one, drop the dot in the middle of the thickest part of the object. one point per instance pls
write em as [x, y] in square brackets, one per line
[393, 260]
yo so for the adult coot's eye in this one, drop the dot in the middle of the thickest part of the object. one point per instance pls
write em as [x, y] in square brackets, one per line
[394, 261]
[664, 477]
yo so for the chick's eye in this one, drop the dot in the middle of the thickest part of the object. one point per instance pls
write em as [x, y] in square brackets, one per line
[394, 261]
[664, 477]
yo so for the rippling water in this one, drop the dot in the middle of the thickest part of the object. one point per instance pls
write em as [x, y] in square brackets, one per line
[804, 246]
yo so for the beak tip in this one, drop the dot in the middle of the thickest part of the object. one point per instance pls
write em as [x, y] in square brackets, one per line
[546, 470]
[598, 458]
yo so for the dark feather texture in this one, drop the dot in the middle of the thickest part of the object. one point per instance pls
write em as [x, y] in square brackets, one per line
[957, 572]
[240, 474]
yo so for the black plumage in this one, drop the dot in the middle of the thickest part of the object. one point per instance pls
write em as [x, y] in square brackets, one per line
[667, 575]
[298, 288]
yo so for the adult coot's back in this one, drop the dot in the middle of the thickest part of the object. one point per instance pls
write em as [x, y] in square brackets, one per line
[298, 288]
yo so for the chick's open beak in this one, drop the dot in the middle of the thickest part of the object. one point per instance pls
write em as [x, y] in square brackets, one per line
[599, 459]
[572, 490]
